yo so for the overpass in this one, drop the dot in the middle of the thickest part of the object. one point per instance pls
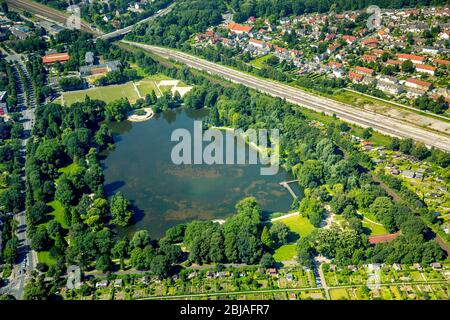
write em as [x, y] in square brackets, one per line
[124, 31]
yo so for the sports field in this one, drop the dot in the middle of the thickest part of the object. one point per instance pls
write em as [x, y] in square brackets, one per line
[107, 94]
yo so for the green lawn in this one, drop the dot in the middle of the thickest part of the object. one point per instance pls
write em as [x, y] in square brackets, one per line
[285, 253]
[146, 87]
[298, 225]
[375, 228]
[107, 94]
[339, 294]
[71, 168]
[58, 212]
[44, 257]
[260, 61]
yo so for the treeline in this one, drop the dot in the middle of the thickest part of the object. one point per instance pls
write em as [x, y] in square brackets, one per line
[11, 186]
[71, 83]
[37, 74]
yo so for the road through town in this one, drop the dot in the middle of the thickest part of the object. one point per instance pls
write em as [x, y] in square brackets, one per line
[363, 118]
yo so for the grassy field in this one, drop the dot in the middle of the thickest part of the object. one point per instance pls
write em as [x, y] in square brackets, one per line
[107, 94]
[339, 294]
[375, 229]
[285, 253]
[260, 61]
[301, 227]
[146, 86]
[114, 92]
[58, 212]
[44, 257]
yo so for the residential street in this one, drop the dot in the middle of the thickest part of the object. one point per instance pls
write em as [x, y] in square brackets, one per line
[27, 259]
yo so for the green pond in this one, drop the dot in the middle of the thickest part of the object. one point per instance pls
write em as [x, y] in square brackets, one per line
[164, 194]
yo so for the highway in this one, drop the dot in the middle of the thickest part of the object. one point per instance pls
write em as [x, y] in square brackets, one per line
[124, 31]
[45, 11]
[363, 118]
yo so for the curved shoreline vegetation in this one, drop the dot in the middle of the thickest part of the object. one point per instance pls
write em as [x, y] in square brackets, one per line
[73, 222]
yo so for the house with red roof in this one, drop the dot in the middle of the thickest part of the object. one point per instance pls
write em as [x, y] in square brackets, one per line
[349, 39]
[425, 69]
[419, 84]
[394, 62]
[363, 70]
[355, 77]
[368, 58]
[239, 28]
[441, 62]
[56, 57]
[415, 59]
[370, 42]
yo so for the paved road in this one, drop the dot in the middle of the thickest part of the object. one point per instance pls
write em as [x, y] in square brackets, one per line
[124, 31]
[26, 261]
[363, 118]
[47, 12]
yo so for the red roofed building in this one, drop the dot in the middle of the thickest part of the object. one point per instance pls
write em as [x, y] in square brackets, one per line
[370, 42]
[425, 68]
[413, 58]
[377, 52]
[239, 28]
[333, 47]
[442, 62]
[335, 64]
[416, 83]
[56, 57]
[349, 39]
[383, 238]
[393, 62]
[280, 50]
[368, 58]
[257, 43]
[364, 70]
[251, 20]
[355, 77]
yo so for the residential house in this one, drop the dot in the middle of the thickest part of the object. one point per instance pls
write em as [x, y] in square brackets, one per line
[408, 174]
[118, 283]
[239, 28]
[418, 84]
[349, 39]
[102, 284]
[415, 59]
[436, 265]
[393, 62]
[431, 50]
[425, 68]
[20, 31]
[364, 71]
[368, 58]
[441, 62]
[355, 77]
